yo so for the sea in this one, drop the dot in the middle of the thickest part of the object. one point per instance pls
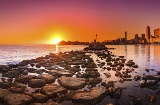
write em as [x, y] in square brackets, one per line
[145, 56]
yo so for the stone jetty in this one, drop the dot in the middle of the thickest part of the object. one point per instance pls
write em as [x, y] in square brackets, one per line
[89, 77]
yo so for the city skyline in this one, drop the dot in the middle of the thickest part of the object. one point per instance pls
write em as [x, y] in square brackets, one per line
[40, 21]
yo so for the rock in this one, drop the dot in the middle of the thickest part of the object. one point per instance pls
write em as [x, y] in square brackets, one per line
[137, 77]
[12, 74]
[119, 67]
[135, 66]
[95, 80]
[152, 98]
[72, 82]
[53, 103]
[24, 78]
[5, 85]
[91, 74]
[3, 93]
[36, 83]
[38, 65]
[107, 74]
[60, 73]
[41, 98]
[47, 77]
[150, 82]
[89, 97]
[52, 90]
[158, 72]
[126, 75]
[142, 83]
[18, 99]
[121, 81]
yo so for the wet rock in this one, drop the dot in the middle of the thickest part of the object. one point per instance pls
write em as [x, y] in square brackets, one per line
[91, 74]
[142, 83]
[38, 65]
[41, 98]
[72, 82]
[12, 74]
[150, 82]
[121, 80]
[24, 78]
[94, 80]
[47, 77]
[60, 73]
[136, 101]
[107, 74]
[158, 72]
[108, 68]
[152, 98]
[119, 67]
[18, 99]
[36, 83]
[3, 93]
[104, 84]
[118, 74]
[5, 85]
[137, 77]
[126, 75]
[53, 103]
[52, 90]
[89, 97]
[115, 93]
[135, 66]
[17, 88]
[73, 69]
[24, 63]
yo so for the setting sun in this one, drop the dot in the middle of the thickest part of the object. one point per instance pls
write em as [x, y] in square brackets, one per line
[56, 41]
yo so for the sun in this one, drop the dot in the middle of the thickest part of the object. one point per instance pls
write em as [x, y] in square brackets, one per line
[56, 41]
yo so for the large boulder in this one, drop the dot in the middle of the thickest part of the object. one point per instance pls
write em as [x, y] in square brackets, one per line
[3, 93]
[36, 83]
[47, 77]
[52, 90]
[89, 97]
[72, 83]
[18, 99]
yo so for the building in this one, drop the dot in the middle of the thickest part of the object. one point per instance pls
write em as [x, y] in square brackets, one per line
[157, 33]
[136, 39]
[148, 34]
[126, 37]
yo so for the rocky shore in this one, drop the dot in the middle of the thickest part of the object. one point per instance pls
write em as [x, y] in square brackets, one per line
[78, 78]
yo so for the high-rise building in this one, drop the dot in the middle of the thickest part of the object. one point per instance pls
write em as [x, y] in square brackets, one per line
[136, 39]
[157, 33]
[148, 34]
[125, 37]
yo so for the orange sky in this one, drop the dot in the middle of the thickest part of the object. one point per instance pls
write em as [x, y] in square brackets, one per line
[40, 21]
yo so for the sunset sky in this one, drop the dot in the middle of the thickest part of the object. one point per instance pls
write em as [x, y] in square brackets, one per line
[40, 21]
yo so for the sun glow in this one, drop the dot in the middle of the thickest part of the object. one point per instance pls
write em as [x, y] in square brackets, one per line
[56, 41]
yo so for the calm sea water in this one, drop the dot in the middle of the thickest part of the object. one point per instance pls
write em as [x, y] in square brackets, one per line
[12, 54]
